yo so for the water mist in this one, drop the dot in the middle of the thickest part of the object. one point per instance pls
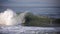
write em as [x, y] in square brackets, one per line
[9, 17]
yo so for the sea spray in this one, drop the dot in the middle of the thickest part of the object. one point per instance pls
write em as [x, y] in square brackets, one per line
[9, 17]
[21, 17]
[6, 18]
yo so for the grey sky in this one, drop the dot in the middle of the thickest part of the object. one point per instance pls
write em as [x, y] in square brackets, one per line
[30, 3]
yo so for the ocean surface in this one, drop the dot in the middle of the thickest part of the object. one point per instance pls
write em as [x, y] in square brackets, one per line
[49, 8]
[51, 12]
[28, 30]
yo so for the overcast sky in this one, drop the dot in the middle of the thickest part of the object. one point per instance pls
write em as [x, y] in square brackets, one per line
[30, 3]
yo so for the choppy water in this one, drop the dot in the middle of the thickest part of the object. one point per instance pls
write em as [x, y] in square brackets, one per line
[28, 30]
[45, 10]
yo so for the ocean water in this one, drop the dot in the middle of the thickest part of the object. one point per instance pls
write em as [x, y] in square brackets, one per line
[42, 7]
[51, 12]
[49, 8]
[28, 30]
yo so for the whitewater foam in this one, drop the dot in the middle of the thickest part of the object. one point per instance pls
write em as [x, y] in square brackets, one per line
[9, 17]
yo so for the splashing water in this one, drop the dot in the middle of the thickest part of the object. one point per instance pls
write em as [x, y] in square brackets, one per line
[9, 17]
